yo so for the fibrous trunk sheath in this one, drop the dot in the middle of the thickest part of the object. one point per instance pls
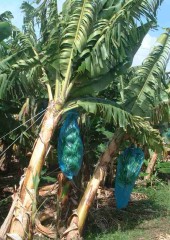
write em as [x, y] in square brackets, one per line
[21, 219]
[150, 166]
[78, 218]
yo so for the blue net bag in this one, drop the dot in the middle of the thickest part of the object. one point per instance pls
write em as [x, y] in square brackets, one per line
[128, 169]
[166, 136]
[70, 146]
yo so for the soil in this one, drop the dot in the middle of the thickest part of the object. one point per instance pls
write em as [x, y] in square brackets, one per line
[142, 216]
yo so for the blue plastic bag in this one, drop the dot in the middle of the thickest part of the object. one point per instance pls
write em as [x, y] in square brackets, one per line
[70, 146]
[128, 169]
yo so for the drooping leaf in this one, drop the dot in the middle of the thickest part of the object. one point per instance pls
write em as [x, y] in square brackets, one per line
[164, 167]
[137, 127]
[161, 113]
[5, 30]
[142, 88]
[108, 45]
[81, 18]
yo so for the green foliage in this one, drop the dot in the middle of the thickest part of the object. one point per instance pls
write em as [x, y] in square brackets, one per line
[79, 53]
[5, 30]
[78, 46]
[82, 16]
[112, 113]
[5, 201]
[161, 112]
[113, 37]
[48, 179]
[143, 89]
[163, 167]
[5, 25]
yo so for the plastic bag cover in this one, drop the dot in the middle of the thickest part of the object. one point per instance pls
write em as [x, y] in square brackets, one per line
[70, 146]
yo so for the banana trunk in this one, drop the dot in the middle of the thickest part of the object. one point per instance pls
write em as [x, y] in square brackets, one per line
[78, 218]
[20, 222]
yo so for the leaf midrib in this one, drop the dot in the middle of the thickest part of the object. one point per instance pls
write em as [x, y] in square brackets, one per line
[66, 80]
[146, 82]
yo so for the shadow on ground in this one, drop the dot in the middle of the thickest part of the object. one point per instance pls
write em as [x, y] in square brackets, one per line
[148, 217]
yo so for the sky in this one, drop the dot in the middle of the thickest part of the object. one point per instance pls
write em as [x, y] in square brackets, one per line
[147, 44]
[163, 17]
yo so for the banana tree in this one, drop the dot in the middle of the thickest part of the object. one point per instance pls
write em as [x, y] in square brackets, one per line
[5, 25]
[79, 52]
[140, 98]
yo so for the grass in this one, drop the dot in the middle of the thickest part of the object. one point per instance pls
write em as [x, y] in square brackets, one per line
[144, 219]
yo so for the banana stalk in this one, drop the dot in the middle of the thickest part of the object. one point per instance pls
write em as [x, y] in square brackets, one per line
[20, 223]
[150, 167]
[78, 218]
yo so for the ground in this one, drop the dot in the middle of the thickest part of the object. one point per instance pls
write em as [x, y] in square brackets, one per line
[147, 216]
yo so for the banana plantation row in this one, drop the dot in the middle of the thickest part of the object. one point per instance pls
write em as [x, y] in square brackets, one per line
[68, 90]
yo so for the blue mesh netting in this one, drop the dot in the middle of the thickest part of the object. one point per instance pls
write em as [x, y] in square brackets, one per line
[70, 146]
[166, 136]
[128, 169]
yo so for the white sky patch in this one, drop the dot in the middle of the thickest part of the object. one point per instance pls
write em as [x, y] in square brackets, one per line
[144, 50]
[14, 7]
[148, 41]
[60, 3]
